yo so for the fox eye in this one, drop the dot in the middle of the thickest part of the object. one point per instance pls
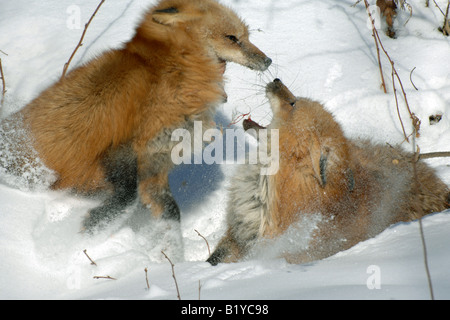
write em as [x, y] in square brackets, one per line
[292, 104]
[232, 38]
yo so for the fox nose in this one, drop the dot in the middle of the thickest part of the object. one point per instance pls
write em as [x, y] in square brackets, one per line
[267, 62]
[276, 80]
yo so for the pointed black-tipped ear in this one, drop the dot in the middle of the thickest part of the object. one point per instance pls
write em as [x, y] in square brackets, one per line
[323, 161]
[172, 16]
[167, 16]
[351, 180]
[168, 10]
[319, 160]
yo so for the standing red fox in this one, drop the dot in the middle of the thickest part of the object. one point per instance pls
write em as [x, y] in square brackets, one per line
[357, 188]
[108, 124]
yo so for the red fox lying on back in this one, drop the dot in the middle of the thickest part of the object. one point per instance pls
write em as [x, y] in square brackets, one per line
[358, 188]
[108, 124]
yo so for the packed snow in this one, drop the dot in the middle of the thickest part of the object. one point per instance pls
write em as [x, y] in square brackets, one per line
[323, 50]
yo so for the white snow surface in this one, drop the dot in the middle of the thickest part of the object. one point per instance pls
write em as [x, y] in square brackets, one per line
[322, 50]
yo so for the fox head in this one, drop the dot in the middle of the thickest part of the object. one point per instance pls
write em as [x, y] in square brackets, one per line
[224, 34]
[314, 152]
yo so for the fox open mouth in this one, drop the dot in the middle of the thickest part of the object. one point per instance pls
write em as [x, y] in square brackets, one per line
[223, 65]
[250, 124]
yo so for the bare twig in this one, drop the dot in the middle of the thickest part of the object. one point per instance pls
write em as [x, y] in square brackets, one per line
[425, 257]
[173, 274]
[420, 214]
[92, 261]
[374, 30]
[445, 29]
[146, 279]
[398, 109]
[3, 81]
[434, 155]
[80, 43]
[410, 78]
[104, 277]
[438, 8]
[395, 75]
[199, 288]
[207, 244]
[446, 26]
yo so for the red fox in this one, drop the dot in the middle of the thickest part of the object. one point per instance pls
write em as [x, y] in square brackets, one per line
[107, 125]
[358, 188]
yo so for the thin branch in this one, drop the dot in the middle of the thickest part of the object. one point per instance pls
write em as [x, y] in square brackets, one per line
[410, 78]
[207, 244]
[445, 29]
[434, 155]
[173, 274]
[80, 43]
[398, 109]
[92, 261]
[104, 277]
[146, 279]
[446, 26]
[415, 120]
[425, 257]
[374, 31]
[3, 81]
[420, 213]
[439, 8]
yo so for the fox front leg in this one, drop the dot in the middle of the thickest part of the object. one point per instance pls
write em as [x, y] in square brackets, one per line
[228, 250]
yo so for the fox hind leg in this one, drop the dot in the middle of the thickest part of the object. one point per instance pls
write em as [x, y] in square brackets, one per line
[121, 172]
[131, 176]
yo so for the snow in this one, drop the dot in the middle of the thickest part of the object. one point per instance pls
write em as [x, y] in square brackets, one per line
[322, 50]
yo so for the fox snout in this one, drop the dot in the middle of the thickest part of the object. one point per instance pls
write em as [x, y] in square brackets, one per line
[276, 89]
[243, 52]
[257, 60]
[274, 86]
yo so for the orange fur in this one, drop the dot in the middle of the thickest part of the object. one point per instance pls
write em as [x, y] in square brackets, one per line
[169, 74]
[358, 188]
[388, 8]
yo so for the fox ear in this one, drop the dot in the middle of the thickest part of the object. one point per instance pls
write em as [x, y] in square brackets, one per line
[350, 180]
[172, 16]
[319, 161]
[320, 166]
[323, 161]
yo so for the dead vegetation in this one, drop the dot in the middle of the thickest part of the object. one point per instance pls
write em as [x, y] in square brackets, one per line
[2, 77]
